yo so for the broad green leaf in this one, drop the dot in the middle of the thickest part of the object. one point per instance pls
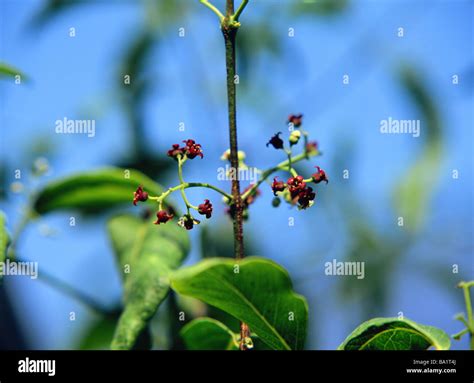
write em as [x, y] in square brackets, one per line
[4, 237]
[208, 334]
[395, 334]
[256, 291]
[146, 255]
[9, 71]
[93, 191]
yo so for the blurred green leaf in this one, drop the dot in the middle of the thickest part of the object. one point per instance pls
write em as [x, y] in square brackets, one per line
[4, 237]
[395, 334]
[319, 7]
[9, 71]
[99, 334]
[93, 191]
[259, 294]
[413, 193]
[208, 334]
[53, 8]
[149, 252]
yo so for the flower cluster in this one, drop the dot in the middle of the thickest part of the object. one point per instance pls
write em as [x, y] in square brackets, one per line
[296, 190]
[190, 149]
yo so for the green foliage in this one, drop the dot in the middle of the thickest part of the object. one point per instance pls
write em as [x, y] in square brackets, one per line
[149, 253]
[9, 71]
[4, 237]
[208, 334]
[395, 334]
[413, 195]
[256, 291]
[93, 191]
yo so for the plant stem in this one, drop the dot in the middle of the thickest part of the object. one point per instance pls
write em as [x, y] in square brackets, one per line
[470, 319]
[187, 185]
[181, 179]
[230, 31]
[240, 9]
[213, 9]
[281, 166]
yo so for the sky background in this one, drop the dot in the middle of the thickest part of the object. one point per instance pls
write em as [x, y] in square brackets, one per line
[77, 77]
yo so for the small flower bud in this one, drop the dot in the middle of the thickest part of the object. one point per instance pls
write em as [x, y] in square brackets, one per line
[175, 152]
[312, 148]
[187, 222]
[277, 186]
[205, 208]
[295, 119]
[276, 202]
[192, 149]
[162, 217]
[294, 137]
[319, 176]
[139, 195]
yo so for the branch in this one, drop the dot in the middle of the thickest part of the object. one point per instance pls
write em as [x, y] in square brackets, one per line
[240, 10]
[213, 9]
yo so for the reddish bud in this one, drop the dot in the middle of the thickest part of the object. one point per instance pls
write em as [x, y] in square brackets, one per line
[162, 217]
[139, 195]
[277, 186]
[175, 151]
[192, 149]
[295, 119]
[319, 176]
[205, 208]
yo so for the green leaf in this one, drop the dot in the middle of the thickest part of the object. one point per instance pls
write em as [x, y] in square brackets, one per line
[4, 237]
[259, 294]
[208, 334]
[93, 191]
[148, 253]
[395, 334]
[9, 71]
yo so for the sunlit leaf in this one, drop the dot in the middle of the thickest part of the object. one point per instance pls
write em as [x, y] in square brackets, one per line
[208, 334]
[256, 291]
[93, 191]
[395, 334]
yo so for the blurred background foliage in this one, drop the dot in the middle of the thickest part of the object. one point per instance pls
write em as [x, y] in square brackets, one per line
[173, 79]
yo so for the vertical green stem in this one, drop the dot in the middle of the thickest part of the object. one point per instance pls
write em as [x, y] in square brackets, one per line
[230, 33]
[229, 30]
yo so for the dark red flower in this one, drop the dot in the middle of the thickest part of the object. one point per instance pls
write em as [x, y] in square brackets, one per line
[277, 186]
[295, 185]
[139, 195]
[276, 141]
[192, 149]
[175, 151]
[305, 197]
[205, 208]
[162, 217]
[295, 119]
[319, 176]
